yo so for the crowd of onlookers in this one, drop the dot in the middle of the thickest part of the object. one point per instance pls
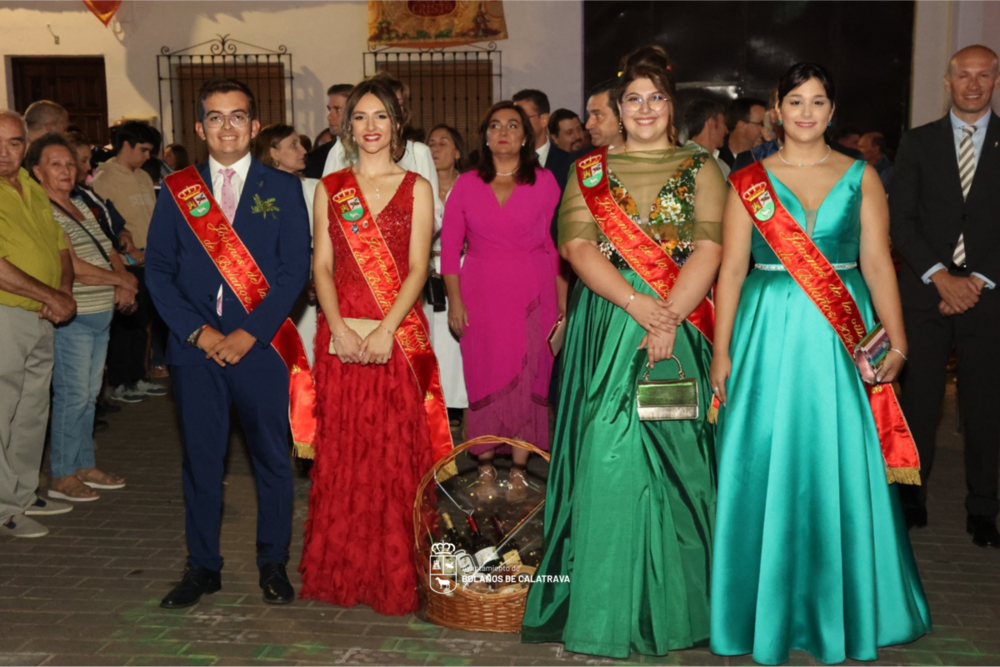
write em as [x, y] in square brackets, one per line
[82, 328]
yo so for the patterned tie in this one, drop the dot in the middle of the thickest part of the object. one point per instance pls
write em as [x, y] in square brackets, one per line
[966, 172]
[227, 198]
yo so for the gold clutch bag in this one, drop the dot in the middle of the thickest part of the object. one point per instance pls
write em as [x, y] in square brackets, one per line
[665, 400]
[361, 326]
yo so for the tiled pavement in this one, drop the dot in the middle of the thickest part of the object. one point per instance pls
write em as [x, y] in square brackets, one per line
[88, 593]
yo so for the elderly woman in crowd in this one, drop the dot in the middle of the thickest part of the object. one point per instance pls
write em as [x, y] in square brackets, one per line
[502, 297]
[450, 160]
[281, 147]
[80, 346]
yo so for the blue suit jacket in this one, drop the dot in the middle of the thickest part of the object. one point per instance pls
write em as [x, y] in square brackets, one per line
[184, 282]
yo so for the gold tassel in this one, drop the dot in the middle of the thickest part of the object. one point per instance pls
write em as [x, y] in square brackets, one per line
[713, 410]
[447, 471]
[304, 451]
[903, 475]
[713, 414]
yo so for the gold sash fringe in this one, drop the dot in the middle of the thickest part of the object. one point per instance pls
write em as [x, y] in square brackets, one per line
[903, 475]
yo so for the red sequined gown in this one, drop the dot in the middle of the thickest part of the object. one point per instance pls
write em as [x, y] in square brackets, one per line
[373, 446]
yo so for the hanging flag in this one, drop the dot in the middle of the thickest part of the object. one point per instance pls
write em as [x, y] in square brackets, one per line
[434, 23]
[103, 9]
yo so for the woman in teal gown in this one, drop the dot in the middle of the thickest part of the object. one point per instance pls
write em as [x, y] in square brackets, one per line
[630, 504]
[811, 549]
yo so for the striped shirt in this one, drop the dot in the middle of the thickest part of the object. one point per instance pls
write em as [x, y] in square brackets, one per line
[29, 238]
[90, 299]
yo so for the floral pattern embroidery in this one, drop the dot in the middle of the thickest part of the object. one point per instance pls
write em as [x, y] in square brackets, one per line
[671, 220]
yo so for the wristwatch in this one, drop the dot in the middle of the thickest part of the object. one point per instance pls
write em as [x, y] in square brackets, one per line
[196, 334]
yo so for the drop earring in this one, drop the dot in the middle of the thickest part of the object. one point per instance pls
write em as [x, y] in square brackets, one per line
[830, 124]
[779, 122]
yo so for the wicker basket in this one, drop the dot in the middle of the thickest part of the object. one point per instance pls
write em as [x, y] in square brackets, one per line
[463, 609]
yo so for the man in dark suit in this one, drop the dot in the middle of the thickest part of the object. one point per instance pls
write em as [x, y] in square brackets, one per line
[336, 102]
[745, 123]
[219, 354]
[945, 222]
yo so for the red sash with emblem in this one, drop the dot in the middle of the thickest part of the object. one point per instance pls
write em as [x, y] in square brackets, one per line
[352, 216]
[653, 264]
[814, 273]
[238, 268]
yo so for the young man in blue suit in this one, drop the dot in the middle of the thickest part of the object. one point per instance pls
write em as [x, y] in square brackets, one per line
[219, 353]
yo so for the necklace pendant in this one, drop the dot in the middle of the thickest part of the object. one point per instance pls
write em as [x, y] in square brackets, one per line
[355, 229]
[377, 195]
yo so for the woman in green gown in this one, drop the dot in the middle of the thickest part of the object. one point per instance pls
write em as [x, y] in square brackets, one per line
[630, 504]
[811, 550]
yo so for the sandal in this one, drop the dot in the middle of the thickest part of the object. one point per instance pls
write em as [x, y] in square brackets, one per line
[72, 489]
[517, 484]
[486, 488]
[98, 479]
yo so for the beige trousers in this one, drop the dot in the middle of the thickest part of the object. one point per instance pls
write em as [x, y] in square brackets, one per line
[26, 355]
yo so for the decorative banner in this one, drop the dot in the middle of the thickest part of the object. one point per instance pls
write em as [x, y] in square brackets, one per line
[435, 23]
[103, 9]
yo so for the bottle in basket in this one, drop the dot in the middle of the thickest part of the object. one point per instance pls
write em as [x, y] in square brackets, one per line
[510, 551]
[485, 551]
[449, 534]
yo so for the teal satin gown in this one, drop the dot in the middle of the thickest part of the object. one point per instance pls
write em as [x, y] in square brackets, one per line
[811, 549]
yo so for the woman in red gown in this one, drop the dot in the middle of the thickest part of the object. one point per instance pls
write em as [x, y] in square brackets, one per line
[373, 440]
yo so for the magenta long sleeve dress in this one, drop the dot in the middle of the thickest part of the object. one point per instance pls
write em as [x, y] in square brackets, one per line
[508, 283]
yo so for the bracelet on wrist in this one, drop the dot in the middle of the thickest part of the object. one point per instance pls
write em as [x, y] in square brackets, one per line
[900, 353]
[341, 335]
[631, 298]
[392, 332]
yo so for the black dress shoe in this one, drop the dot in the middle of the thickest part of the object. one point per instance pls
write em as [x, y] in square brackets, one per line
[916, 517]
[984, 531]
[197, 581]
[275, 584]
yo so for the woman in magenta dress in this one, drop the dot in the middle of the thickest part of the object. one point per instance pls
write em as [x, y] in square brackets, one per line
[373, 439]
[502, 300]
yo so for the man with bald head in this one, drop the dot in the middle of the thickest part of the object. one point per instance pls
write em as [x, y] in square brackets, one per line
[43, 117]
[945, 222]
[873, 147]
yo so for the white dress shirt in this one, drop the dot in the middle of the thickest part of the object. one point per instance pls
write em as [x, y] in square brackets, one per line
[543, 152]
[242, 168]
[978, 139]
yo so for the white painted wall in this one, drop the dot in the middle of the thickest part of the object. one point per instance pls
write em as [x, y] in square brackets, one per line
[326, 39]
[941, 29]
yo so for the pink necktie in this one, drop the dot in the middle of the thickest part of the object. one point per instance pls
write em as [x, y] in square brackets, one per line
[227, 198]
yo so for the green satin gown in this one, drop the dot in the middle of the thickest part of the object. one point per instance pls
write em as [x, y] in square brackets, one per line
[630, 504]
[811, 549]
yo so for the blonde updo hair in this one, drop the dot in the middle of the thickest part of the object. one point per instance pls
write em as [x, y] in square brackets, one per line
[653, 63]
[380, 89]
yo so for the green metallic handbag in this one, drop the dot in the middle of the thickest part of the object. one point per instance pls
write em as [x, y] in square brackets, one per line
[665, 400]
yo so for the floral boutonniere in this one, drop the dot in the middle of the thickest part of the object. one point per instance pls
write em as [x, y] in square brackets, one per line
[264, 206]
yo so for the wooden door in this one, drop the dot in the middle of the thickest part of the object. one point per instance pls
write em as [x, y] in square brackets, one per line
[77, 83]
